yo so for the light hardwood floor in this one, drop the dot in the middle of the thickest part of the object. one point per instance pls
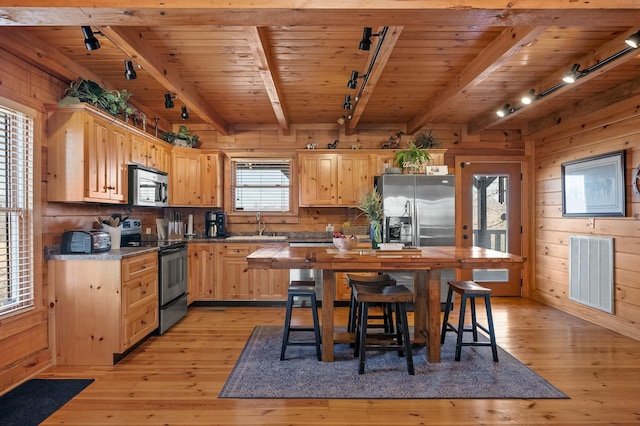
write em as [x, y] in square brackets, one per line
[175, 378]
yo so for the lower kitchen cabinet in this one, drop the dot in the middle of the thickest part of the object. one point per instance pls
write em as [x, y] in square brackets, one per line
[201, 270]
[102, 307]
[238, 282]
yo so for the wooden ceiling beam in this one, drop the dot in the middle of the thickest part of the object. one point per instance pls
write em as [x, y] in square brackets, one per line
[389, 42]
[508, 43]
[605, 51]
[38, 53]
[257, 38]
[132, 44]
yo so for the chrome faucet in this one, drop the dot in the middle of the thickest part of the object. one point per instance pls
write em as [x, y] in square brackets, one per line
[261, 226]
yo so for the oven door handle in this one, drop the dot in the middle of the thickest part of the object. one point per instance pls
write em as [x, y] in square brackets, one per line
[170, 250]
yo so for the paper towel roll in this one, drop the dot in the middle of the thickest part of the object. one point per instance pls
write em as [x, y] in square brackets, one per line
[190, 225]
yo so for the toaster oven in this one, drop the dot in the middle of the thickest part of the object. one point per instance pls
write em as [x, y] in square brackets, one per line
[90, 241]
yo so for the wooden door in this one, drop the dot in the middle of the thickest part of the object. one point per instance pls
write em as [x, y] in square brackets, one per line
[118, 160]
[233, 276]
[355, 178]
[490, 216]
[318, 176]
[138, 149]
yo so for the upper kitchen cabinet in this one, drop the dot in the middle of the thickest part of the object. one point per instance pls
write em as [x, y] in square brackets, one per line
[151, 152]
[184, 178]
[211, 169]
[88, 153]
[195, 178]
[334, 179]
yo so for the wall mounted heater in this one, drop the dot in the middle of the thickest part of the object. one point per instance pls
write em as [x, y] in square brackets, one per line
[591, 271]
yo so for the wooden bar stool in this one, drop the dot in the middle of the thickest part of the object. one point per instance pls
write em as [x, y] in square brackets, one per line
[301, 289]
[469, 290]
[373, 281]
[397, 295]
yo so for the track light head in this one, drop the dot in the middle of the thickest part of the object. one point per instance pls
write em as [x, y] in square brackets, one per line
[347, 102]
[341, 120]
[353, 81]
[365, 43]
[129, 70]
[504, 110]
[572, 75]
[185, 113]
[168, 100]
[529, 97]
[90, 41]
[633, 40]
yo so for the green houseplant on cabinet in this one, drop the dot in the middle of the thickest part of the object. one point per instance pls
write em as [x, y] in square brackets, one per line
[115, 102]
[371, 206]
[412, 159]
[182, 138]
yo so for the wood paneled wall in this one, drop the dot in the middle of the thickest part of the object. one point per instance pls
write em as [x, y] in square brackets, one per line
[617, 129]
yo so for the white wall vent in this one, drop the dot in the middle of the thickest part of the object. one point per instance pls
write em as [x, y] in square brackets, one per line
[591, 271]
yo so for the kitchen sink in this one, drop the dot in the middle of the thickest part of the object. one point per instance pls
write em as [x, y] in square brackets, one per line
[257, 238]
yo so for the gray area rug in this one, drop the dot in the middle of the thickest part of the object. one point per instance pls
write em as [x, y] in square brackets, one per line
[259, 373]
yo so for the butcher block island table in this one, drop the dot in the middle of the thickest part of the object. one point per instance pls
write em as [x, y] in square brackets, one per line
[426, 264]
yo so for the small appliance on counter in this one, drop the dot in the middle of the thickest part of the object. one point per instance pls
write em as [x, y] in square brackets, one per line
[85, 241]
[215, 225]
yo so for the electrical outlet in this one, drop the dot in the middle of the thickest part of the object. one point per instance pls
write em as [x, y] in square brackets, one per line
[148, 231]
[591, 223]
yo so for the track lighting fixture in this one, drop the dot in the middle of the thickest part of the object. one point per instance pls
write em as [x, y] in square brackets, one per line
[347, 102]
[129, 71]
[529, 97]
[353, 81]
[185, 113]
[572, 75]
[506, 109]
[633, 40]
[341, 120]
[365, 43]
[168, 100]
[90, 41]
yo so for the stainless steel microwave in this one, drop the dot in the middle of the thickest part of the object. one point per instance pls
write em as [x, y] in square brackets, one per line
[148, 187]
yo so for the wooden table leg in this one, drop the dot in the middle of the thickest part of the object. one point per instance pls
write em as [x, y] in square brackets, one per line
[426, 314]
[328, 290]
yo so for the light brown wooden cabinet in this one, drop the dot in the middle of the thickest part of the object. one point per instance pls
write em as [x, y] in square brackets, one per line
[202, 272]
[151, 152]
[88, 153]
[102, 307]
[238, 282]
[334, 179]
[195, 178]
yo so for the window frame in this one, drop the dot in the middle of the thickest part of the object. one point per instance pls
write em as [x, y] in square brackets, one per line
[33, 238]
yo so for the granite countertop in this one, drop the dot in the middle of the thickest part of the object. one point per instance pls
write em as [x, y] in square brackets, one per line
[53, 253]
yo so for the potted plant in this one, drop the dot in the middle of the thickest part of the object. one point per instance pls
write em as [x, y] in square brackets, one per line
[182, 138]
[412, 159]
[371, 206]
[425, 140]
[113, 101]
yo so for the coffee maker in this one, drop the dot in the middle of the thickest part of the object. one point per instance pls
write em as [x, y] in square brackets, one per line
[215, 225]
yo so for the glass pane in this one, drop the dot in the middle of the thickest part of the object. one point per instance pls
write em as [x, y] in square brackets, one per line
[490, 221]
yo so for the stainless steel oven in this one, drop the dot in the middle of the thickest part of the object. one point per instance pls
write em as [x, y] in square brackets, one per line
[172, 280]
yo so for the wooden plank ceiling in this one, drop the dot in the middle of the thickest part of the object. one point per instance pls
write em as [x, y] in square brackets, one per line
[279, 66]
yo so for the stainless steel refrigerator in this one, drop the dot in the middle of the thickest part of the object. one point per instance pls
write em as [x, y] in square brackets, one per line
[419, 211]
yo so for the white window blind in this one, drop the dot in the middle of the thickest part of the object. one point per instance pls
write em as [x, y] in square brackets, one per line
[261, 185]
[16, 211]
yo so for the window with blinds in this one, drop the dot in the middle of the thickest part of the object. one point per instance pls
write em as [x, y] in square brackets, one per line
[261, 185]
[16, 211]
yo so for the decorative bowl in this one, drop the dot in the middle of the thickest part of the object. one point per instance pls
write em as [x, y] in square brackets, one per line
[345, 244]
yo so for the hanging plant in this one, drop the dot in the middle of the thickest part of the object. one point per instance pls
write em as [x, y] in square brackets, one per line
[113, 101]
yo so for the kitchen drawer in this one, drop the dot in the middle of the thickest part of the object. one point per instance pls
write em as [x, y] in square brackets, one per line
[240, 250]
[139, 291]
[133, 267]
[138, 324]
